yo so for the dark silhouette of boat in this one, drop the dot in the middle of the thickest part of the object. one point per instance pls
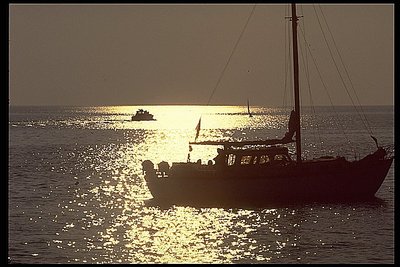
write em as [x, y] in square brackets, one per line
[261, 172]
[142, 115]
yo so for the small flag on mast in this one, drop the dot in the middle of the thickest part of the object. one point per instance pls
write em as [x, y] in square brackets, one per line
[197, 129]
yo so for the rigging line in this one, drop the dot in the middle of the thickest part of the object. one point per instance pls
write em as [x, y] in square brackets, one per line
[347, 73]
[327, 92]
[337, 68]
[229, 59]
[309, 83]
[305, 64]
[223, 71]
[309, 93]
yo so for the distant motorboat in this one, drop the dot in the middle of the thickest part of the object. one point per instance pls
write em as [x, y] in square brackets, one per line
[143, 115]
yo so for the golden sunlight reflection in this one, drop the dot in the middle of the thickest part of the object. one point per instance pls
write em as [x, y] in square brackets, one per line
[109, 192]
[121, 229]
[186, 117]
[168, 137]
[179, 235]
[92, 206]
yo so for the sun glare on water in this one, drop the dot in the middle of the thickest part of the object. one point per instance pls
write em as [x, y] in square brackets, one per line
[86, 201]
[167, 137]
[109, 199]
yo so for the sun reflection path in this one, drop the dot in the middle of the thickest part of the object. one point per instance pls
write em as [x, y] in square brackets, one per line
[178, 235]
[188, 235]
[108, 203]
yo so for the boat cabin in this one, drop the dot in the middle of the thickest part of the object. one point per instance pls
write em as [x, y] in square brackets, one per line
[267, 156]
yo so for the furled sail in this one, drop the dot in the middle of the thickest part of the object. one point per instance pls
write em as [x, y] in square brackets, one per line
[292, 126]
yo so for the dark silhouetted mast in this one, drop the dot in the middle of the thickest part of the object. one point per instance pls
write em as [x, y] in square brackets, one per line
[296, 83]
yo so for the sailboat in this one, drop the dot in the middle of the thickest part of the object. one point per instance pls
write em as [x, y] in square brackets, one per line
[248, 109]
[261, 172]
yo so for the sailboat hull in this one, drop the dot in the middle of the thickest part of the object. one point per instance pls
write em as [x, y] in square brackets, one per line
[260, 173]
[322, 180]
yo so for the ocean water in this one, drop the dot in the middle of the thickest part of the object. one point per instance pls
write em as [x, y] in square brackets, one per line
[76, 193]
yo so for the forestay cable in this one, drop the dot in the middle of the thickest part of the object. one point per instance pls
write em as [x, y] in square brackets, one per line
[225, 67]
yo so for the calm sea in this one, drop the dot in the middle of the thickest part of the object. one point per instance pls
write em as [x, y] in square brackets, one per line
[76, 192]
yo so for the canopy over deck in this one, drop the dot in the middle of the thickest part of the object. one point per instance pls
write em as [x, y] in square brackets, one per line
[244, 143]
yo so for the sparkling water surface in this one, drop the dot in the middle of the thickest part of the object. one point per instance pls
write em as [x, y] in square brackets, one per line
[76, 191]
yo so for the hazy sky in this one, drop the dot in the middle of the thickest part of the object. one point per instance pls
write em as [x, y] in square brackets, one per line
[174, 54]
